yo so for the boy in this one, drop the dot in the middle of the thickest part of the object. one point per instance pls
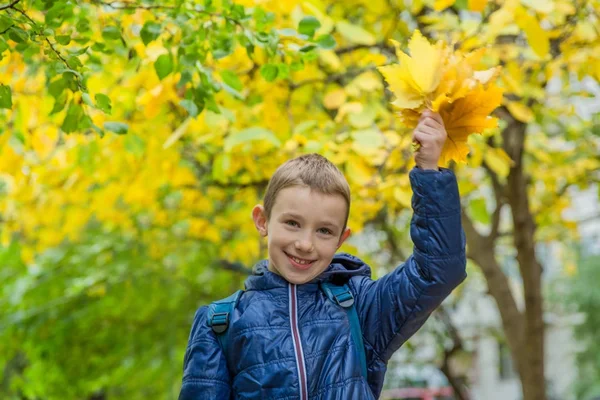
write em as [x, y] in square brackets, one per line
[285, 338]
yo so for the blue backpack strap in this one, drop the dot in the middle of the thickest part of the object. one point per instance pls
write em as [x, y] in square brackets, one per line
[342, 296]
[219, 315]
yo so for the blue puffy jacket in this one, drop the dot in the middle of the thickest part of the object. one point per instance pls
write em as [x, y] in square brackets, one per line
[290, 341]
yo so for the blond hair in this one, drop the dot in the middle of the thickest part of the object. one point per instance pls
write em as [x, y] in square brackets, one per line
[312, 170]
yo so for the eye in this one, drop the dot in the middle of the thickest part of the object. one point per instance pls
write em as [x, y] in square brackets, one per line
[291, 223]
[325, 231]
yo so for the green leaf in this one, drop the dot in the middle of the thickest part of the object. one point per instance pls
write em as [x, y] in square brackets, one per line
[135, 144]
[63, 39]
[55, 88]
[5, 23]
[116, 127]
[297, 65]
[212, 105]
[479, 211]
[307, 48]
[5, 97]
[190, 107]
[3, 45]
[59, 103]
[308, 26]
[283, 71]
[111, 32]
[269, 72]
[103, 102]
[230, 78]
[78, 52]
[249, 135]
[74, 116]
[74, 62]
[18, 35]
[355, 33]
[326, 42]
[262, 37]
[150, 32]
[163, 66]
[461, 4]
[87, 99]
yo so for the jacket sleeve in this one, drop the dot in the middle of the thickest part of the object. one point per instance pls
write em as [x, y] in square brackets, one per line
[205, 373]
[395, 306]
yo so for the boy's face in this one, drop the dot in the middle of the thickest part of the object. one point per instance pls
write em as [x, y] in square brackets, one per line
[305, 230]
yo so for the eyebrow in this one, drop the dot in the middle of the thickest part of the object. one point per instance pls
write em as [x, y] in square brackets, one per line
[298, 216]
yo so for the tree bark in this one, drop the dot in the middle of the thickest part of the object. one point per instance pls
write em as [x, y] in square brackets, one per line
[481, 249]
[457, 382]
[532, 377]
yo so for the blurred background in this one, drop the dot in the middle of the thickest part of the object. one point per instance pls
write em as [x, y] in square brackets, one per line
[136, 136]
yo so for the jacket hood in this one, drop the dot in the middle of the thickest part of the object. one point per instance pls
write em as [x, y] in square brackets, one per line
[343, 266]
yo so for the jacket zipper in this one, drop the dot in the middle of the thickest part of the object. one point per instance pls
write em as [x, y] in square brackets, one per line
[296, 340]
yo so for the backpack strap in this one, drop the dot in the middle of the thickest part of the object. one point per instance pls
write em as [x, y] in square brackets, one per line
[342, 296]
[219, 315]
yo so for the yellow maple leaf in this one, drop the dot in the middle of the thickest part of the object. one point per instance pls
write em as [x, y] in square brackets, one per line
[416, 76]
[448, 82]
[469, 114]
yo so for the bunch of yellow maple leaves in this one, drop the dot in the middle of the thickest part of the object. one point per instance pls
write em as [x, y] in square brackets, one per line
[438, 78]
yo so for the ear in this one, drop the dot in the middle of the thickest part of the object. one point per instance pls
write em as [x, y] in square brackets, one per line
[344, 236]
[260, 219]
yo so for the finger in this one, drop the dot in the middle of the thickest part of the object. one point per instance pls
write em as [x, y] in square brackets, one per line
[437, 117]
[428, 130]
[421, 137]
[429, 121]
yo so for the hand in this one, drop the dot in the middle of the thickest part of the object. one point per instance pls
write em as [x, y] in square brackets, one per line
[430, 134]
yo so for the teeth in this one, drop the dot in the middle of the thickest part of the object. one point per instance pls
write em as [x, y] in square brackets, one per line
[299, 261]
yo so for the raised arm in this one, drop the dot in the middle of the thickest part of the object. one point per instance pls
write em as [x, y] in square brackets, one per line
[205, 373]
[394, 307]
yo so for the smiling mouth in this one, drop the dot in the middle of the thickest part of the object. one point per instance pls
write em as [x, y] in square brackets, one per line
[300, 262]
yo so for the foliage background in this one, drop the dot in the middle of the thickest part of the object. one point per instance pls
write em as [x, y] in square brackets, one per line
[136, 137]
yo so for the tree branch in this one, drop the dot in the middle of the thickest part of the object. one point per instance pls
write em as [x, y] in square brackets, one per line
[500, 201]
[11, 5]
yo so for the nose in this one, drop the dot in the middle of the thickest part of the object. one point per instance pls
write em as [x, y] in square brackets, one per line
[303, 245]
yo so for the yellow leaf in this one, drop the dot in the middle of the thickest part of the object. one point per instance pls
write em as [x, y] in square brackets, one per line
[368, 81]
[363, 119]
[348, 108]
[440, 5]
[358, 171]
[417, 75]
[426, 62]
[355, 33]
[367, 142]
[520, 111]
[536, 36]
[468, 115]
[498, 161]
[399, 80]
[334, 99]
[486, 76]
[541, 6]
[330, 59]
[403, 195]
[477, 5]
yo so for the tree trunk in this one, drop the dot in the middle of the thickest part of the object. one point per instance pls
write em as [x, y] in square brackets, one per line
[524, 331]
[532, 378]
